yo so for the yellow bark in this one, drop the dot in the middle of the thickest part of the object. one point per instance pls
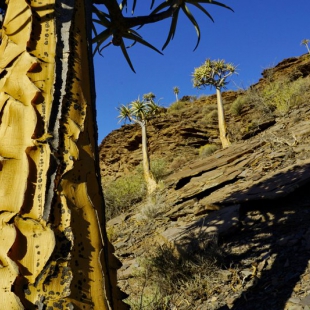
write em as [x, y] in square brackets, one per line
[55, 252]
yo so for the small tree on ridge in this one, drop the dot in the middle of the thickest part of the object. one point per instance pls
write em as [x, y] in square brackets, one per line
[140, 111]
[214, 73]
[176, 91]
[306, 42]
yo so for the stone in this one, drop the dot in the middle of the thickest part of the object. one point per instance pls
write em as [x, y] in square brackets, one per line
[294, 300]
[128, 269]
[305, 301]
[219, 222]
[117, 220]
[226, 275]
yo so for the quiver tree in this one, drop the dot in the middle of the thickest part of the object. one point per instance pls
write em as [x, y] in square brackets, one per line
[54, 251]
[305, 42]
[176, 91]
[140, 111]
[215, 73]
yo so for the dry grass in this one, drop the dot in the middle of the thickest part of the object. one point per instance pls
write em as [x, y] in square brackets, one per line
[237, 105]
[178, 106]
[151, 207]
[207, 150]
[277, 97]
[170, 281]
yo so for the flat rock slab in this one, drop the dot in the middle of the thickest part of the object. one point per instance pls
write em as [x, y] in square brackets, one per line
[232, 184]
[217, 223]
[273, 186]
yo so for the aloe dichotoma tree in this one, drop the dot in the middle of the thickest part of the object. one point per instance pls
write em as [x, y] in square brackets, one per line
[176, 91]
[54, 251]
[215, 73]
[140, 111]
[306, 42]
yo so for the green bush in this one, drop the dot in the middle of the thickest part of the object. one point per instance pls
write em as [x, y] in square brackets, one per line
[207, 150]
[210, 117]
[282, 95]
[159, 168]
[177, 106]
[209, 108]
[291, 94]
[237, 105]
[122, 193]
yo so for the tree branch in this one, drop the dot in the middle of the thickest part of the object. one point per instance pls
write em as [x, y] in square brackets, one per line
[129, 22]
[149, 19]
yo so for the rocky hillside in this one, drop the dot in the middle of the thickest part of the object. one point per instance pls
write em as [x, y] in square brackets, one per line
[229, 230]
[177, 135]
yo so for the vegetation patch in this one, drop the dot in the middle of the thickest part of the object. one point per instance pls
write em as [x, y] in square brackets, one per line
[159, 169]
[210, 114]
[237, 105]
[169, 281]
[207, 150]
[209, 108]
[151, 207]
[122, 193]
[277, 97]
[178, 106]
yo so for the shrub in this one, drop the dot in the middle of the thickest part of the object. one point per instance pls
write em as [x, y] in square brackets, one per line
[159, 168]
[207, 150]
[252, 97]
[151, 207]
[283, 95]
[209, 108]
[210, 117]
[178, 106]
[122, 193]
[293, 94]
[237, 105]
[168, 279]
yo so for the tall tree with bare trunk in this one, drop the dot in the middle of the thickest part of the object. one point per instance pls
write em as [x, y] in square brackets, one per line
[215, 73]
[140, 111]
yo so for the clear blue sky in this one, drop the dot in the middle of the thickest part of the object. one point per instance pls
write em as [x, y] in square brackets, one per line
[259, 34]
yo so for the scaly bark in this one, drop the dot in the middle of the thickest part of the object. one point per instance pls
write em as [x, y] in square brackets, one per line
[54, 252]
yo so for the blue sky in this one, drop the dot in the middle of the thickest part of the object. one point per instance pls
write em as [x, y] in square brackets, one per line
[258, 35]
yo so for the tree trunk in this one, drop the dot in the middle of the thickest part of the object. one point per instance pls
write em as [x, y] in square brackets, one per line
[54, 252]
[221, 119]
[148, 176]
